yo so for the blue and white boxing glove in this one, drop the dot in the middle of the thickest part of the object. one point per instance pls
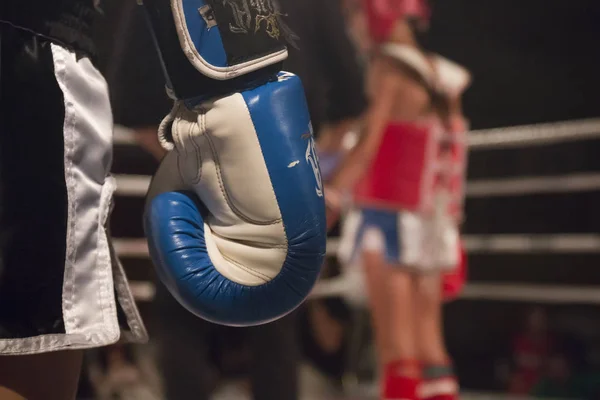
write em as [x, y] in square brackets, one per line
[235, 215]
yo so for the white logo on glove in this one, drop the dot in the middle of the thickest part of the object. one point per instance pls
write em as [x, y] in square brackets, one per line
[313, 160]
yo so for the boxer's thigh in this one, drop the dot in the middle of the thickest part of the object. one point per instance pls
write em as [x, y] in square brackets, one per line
[56, 279]
[47, 376]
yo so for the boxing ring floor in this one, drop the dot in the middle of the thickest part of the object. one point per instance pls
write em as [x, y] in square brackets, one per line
[531, 232]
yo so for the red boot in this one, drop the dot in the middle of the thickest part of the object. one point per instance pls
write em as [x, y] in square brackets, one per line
[439, 383]
[401, 380]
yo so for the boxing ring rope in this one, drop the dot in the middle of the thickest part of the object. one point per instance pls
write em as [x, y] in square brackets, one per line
[568, 183]
[497, 138]
[137, 185]
[502, 138]
[482, 244]
[535, 135]
[508, 244]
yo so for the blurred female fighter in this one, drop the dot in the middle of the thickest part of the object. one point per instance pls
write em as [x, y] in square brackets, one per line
[405, 176]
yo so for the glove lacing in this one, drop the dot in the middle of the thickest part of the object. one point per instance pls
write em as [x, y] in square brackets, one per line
[165, 137]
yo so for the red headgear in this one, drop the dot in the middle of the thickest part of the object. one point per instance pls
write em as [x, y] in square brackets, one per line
[383, 14]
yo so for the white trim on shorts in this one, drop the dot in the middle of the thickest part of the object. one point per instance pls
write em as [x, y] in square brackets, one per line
[93, 277]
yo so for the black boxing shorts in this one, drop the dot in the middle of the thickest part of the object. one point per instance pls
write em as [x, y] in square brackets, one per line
[61, 285]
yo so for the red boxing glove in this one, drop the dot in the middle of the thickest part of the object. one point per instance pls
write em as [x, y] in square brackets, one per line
[383, 14]
[454, 282]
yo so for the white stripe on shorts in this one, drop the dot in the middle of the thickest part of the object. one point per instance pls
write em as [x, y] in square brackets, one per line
[89, 303]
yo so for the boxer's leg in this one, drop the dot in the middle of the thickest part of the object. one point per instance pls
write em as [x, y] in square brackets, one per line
[440, 249]
[402, 240]
[370, 245]
[362, 242]
[391, 300]
[147, 139]
[374, 266]
[428, 321]
[400, 293]
[403, 370]
[390, 287]
[439, 380]
[49, 376]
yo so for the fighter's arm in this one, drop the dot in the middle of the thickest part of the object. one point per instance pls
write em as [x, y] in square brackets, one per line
[458, 121]
[147, 139]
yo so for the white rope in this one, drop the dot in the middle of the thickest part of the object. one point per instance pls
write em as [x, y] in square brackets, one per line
[535, 135]
[137, 185]
[142, 290]
[547, 294]
[132, 185]
[528, 244]
[518, 244]
[124, 136]
[475, 244]
[340, 286]
[511, 137]
[514, 136]
[521, 136]
[131, 248]
[534, 185]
